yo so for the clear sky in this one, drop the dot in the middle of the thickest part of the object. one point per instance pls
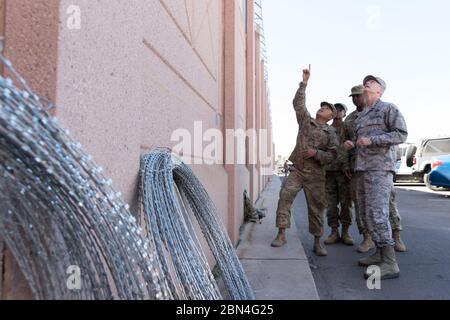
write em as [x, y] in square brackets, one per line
[405, 42]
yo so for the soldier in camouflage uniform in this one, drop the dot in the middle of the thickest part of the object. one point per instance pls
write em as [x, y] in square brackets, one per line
[394, 216]
[316, 147]
[396, 223]
[339, 205]
[379, 127]
[349, 165]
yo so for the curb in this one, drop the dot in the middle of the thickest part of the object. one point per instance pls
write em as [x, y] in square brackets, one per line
[275, 273]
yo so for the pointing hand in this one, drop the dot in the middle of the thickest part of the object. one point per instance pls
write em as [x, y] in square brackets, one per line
[306, 74]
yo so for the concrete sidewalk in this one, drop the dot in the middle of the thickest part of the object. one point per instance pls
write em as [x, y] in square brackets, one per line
[275, 273]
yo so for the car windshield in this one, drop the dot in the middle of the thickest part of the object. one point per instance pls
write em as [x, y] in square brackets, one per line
[437, 147]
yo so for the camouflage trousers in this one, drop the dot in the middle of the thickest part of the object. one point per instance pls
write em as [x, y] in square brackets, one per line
[313, 185]
[338, 193]
[373, 196]
[394, 216]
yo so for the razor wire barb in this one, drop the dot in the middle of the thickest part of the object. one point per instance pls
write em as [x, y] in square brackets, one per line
[167, 185]
[58, 210]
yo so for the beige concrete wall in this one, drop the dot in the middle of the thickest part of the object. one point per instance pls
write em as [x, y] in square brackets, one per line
[30, 29]
[31, 38]
[133, 74]
[253, 52]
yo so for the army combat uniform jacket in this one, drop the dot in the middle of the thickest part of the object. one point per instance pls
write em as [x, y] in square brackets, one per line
[340, 161]
[312, 135]
[386, 127]
[349, 133]
[307, 174]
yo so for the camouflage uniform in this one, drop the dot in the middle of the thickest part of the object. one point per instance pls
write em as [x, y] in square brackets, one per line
[307, 174]
[349, 133]
[394, 216]
[338, 192]
[375, 165]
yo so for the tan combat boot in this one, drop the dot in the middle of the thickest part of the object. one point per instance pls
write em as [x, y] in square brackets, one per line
[280, 240]
[318, 249]
[388, 266]
[399, 244]
[367, 243]
[333, 237]
[346, 238]
[371, 260]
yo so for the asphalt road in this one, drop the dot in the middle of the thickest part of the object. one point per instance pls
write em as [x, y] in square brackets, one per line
[425, 267]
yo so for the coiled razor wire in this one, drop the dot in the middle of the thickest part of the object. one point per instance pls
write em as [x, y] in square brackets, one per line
[58, 211]
[166, 184]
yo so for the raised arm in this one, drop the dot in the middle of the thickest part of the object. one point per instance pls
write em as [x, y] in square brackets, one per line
[300, 99]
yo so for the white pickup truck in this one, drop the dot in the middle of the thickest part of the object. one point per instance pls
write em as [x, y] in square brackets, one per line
[428, 148]
[403, 172]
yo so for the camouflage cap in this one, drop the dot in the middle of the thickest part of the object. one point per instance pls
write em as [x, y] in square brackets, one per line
[380, 81]
[357, 90]
[342, 106]
[331, 106]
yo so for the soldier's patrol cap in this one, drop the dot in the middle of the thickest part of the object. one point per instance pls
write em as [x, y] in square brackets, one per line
[357, 90]
[342, 106]
[331, 106]
[380, 81]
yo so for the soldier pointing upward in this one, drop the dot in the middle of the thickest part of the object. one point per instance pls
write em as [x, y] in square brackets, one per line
[316, 147]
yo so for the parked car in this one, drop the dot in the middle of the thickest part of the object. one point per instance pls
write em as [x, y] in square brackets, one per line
[420, 160]
[403, 172]
[439, 176]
